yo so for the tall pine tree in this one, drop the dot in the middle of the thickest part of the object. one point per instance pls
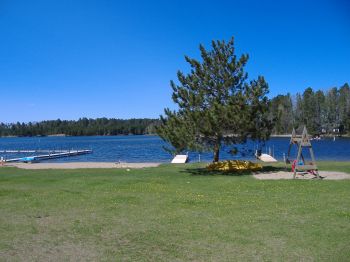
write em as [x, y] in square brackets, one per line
[216, 103]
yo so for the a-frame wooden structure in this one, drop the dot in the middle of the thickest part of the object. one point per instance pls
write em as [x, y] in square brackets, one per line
[302, 141]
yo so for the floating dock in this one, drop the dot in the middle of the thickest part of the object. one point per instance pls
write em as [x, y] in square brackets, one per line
[37, 158]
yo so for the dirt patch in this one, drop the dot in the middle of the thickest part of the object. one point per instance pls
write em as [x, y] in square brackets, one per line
[40, 250]
[326, 175]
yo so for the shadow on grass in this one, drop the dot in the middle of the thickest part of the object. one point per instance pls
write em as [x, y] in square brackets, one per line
[268, 169]
[205, 172]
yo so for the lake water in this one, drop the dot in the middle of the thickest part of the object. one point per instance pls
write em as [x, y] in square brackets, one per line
[150, 148]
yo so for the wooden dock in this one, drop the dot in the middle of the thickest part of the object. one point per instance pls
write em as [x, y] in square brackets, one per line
[11, 151]
[37, 158]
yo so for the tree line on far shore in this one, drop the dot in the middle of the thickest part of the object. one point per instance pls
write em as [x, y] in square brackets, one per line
[81, 127]
[323, 112]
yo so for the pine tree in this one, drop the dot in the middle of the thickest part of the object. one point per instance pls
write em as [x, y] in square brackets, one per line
[309, 112]
[281, 109]
[217, 105]
[320, 111]
[298, 112]
[344, 107]
[332, 109]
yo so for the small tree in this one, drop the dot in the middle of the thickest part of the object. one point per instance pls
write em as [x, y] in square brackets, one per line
[216, 103]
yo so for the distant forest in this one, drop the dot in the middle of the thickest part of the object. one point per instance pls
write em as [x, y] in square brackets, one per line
[323, 112]
[81, 127]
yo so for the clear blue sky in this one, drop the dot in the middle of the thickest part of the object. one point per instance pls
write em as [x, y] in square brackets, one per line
[71, 59]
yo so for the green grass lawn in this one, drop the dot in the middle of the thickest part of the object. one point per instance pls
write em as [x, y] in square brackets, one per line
[171, 213]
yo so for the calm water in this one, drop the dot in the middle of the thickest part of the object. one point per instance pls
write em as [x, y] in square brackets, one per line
[149, 148]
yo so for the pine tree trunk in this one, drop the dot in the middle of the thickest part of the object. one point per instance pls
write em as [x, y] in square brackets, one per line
[216, 154]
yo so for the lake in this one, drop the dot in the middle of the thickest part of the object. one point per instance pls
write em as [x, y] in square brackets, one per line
[150, 148]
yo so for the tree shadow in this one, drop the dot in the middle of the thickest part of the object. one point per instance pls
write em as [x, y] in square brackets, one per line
[269, 169]
[202, 171]
[206, 172]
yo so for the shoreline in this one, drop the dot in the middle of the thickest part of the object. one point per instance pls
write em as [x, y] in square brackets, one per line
[121, 135]
[80, 165]
[64, 135]
[273, 175]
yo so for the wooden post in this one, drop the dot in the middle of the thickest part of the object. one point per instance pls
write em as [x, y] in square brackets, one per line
[297, 160]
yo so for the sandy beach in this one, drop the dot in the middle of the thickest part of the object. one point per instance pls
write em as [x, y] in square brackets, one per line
[326, 175]
[77, 165]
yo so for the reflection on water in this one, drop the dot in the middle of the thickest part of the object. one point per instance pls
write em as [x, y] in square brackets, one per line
[150, 148]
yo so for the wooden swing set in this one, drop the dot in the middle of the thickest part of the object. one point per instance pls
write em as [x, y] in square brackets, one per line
[299, 165]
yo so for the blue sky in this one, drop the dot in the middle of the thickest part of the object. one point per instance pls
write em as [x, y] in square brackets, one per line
[70, 59]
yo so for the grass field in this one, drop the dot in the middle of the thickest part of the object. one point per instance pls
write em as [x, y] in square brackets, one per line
[171, 213]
